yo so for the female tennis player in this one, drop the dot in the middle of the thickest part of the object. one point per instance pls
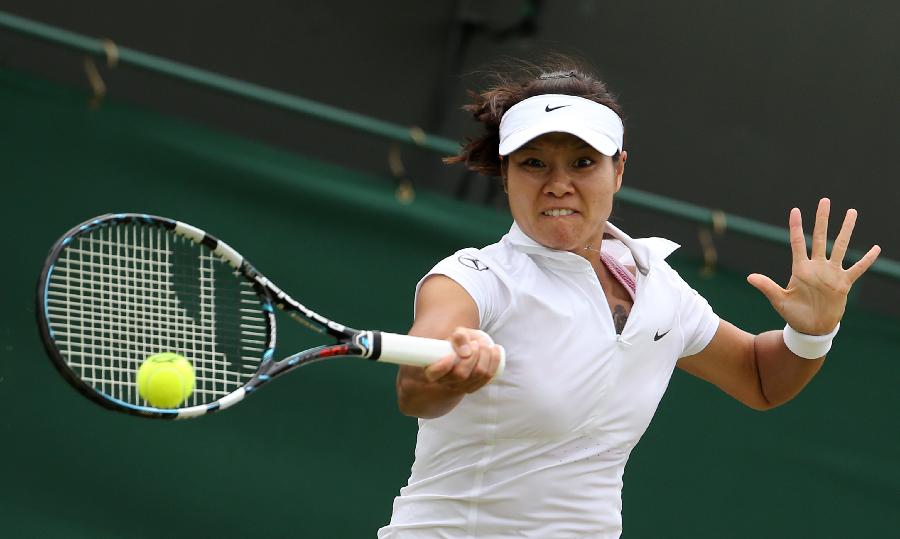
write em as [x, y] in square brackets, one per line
[593, 321]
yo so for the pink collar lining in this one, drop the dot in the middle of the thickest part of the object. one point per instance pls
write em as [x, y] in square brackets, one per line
[621, 274]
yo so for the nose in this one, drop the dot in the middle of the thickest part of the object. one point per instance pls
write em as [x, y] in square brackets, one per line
[558, 184]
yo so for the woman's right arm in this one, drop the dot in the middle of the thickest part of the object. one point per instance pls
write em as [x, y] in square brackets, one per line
[444, 310]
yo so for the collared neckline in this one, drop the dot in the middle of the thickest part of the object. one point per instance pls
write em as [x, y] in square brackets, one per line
[641, 249]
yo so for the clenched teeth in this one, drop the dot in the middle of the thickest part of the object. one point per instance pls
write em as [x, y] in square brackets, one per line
[557, 212]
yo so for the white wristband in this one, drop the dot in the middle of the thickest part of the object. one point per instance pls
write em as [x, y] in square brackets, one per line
[808, 346]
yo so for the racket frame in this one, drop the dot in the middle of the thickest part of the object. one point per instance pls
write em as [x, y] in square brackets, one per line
[350, 342]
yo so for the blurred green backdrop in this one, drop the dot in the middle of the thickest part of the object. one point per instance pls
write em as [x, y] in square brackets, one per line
[322, 452]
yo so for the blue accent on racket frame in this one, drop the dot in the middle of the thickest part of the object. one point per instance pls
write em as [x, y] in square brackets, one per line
[46, 303]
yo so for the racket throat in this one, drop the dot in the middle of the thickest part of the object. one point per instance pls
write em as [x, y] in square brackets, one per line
[369, 343]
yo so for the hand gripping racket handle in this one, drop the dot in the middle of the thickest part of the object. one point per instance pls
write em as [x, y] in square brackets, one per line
[421, 352]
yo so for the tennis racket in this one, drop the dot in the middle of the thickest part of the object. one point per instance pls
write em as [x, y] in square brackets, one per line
[119, 288]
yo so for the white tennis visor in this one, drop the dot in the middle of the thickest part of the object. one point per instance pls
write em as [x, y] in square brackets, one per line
[588, 120]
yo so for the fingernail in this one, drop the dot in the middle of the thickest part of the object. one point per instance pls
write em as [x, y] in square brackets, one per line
[465, 350]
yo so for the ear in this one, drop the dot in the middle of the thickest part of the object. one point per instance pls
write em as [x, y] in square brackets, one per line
[620, 169]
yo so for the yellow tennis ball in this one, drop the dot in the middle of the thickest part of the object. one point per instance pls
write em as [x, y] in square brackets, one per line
[165, 380]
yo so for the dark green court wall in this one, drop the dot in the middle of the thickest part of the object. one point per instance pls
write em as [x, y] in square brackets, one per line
[322, 452]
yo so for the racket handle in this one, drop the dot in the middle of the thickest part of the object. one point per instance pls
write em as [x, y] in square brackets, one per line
[421, 351]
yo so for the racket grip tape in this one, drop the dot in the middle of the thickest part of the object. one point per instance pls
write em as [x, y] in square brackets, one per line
[421, 351]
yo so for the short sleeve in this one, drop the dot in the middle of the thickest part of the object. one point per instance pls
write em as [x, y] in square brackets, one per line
[698, 321]
[470, 270]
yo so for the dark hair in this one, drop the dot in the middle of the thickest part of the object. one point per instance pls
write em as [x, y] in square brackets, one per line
[556, 75]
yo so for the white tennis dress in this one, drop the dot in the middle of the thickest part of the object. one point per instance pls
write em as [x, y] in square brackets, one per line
[540, 452]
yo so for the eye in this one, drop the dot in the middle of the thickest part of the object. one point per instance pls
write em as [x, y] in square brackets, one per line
[531, 162]
[583, 162]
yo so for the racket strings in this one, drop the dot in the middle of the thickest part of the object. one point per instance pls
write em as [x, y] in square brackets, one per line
[121, 293]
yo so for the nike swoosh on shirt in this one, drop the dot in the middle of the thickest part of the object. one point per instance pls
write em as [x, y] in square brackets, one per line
[658, 336]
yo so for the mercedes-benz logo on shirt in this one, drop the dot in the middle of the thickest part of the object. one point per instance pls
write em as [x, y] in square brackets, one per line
[472, 262]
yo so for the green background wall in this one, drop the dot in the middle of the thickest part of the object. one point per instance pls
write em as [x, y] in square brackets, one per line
[322, 452]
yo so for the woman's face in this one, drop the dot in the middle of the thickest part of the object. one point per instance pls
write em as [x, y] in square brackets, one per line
[561, 190]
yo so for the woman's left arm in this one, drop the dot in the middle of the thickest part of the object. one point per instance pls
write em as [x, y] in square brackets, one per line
[761, 371]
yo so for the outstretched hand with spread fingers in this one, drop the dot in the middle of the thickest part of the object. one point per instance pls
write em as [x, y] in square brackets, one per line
[816, 295]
